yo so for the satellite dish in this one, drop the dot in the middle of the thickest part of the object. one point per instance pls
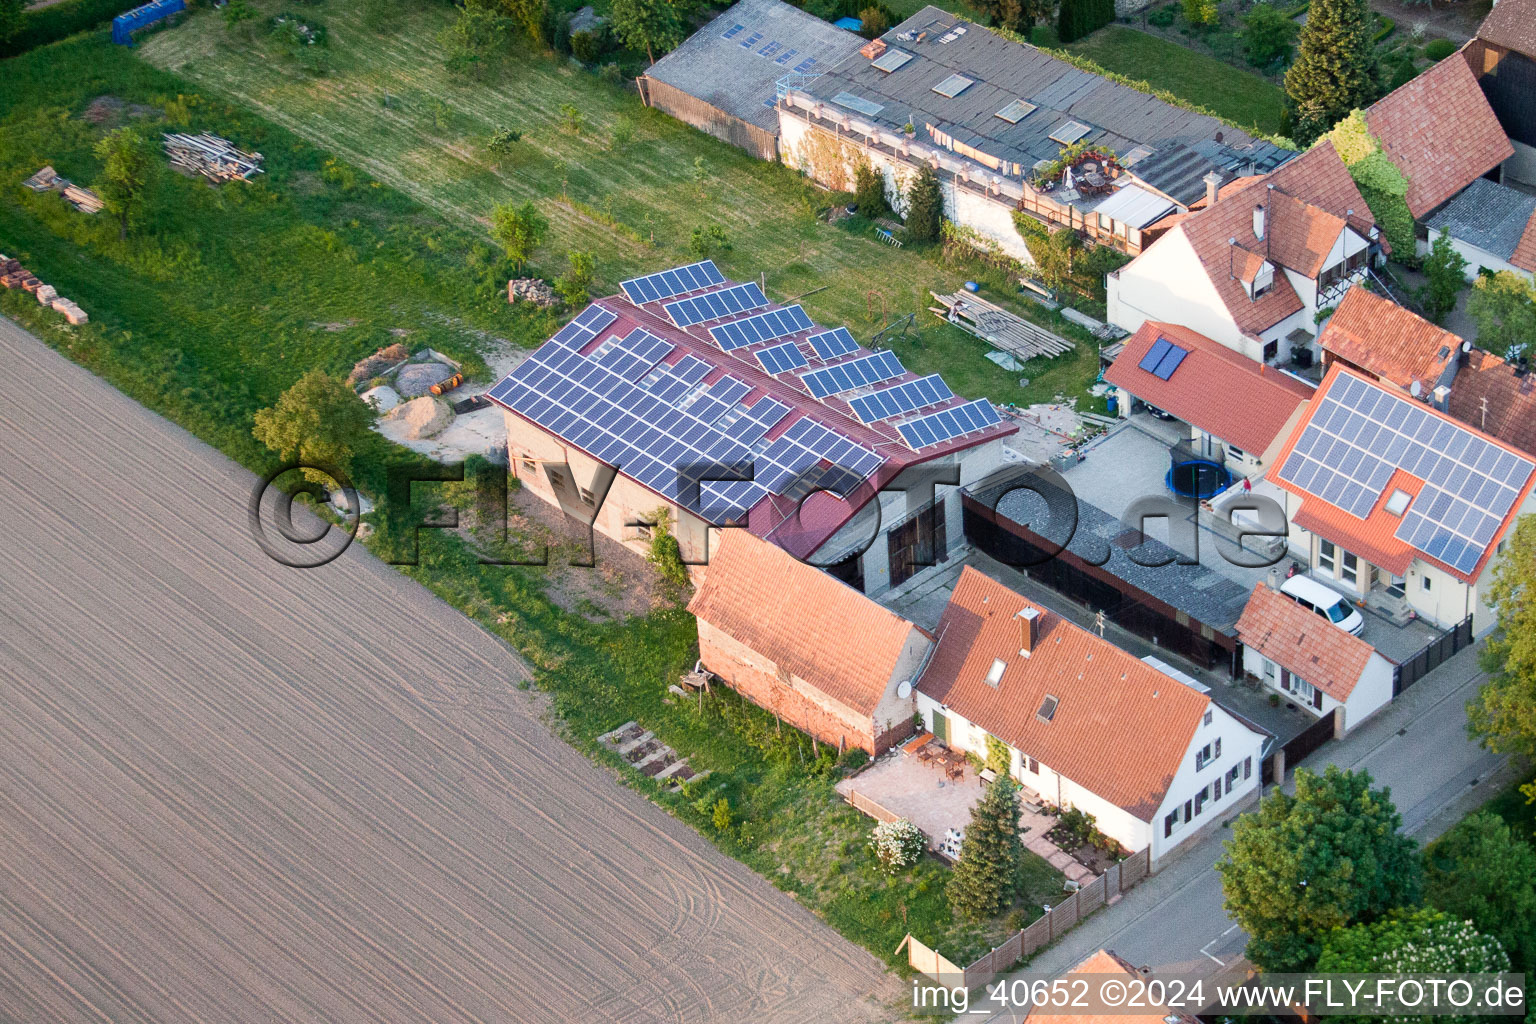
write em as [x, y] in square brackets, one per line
[903, 689]
[1416, 389]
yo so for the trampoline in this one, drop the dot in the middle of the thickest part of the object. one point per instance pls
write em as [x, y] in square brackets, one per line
[1197, 477]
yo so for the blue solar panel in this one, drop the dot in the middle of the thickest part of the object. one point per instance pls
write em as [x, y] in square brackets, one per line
[893, 401]
[715, 305]
[1360, 434]
[588, 324]
[1170, 361]
[672, 282]
[786, 56]
[781, 358]
[776, 323]
[941, 426]
[855, 373]
[751, 40]
[732, 32]
[1155, 354]
[833, 343]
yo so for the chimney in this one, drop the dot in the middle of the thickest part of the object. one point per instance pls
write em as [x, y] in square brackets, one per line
[1029, 630]
[1442, 395]
[872, 49]
[1258, 222]
[1212, 187]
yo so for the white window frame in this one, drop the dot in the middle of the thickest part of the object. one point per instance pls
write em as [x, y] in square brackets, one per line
[1327, 555]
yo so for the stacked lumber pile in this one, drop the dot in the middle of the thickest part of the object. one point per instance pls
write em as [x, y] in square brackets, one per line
[998, 327]
[214, 158]
[81, 198]
[15, 276]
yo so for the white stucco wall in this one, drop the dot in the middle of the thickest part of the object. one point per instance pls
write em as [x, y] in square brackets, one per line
[1372, 691]
[1167, 282]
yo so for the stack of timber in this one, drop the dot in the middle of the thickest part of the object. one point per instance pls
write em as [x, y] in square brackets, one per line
[48, 180]
[14, 275]
[214, 158]
[998, 327]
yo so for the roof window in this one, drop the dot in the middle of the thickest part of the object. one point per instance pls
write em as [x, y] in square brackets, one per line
[1047, 710]
[953, 86]
[1398, 503]
[995, 673]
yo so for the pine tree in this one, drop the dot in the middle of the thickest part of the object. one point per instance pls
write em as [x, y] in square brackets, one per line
[987, 877]
[1335, 69]
[925, 207]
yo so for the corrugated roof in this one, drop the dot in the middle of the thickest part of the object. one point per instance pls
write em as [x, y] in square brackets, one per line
[1121, 728]
[1491, 216]
[802, 619]
[1303, 642]
[743, 80]
[1135, 206]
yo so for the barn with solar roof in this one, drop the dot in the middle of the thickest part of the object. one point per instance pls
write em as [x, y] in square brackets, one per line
[696, 399]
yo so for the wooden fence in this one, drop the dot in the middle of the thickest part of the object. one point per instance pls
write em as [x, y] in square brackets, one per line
[869, 807]
[1061, 918]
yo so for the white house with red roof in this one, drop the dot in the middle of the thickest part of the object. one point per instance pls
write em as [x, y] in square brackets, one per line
[1086, 724]
[696, 400]
[1255, 264]
[1227, 400]
[1398, 503]
[1307, 659]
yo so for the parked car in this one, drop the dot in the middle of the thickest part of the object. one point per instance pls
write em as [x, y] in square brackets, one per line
[1328, 603]
[1155, 411]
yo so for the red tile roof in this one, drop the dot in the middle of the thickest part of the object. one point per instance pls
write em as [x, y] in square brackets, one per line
[1308, 201]
[1303, 642]
[1524, 255]
[1106, 963]
[1222, 392]
[1373, 538]
[1121, 728]
[1382, 338]
[1488, 394]
[1512, 25]
[1440, 132]
[801, 619]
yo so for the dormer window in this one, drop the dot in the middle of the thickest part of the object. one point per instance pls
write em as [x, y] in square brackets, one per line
[1264, 280]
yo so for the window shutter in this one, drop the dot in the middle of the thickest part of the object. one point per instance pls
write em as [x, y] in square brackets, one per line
[1317, 698]
[1217, 755]
[1247, 767]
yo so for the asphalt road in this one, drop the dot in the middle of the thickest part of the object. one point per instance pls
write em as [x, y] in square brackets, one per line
[234, 791]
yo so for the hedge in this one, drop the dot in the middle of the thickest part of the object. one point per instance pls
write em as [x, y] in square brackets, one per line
[58, 21]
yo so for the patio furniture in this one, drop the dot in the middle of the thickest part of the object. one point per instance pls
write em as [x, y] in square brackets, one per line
[987, 776]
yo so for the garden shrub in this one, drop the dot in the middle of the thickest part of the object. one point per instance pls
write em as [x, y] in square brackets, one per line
[589, 45]
[1439, 49]
[1163, 16]
[897, 844]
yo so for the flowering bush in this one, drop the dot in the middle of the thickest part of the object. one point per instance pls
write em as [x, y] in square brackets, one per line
[897, 844]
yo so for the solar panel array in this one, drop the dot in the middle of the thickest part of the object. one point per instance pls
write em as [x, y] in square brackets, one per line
[776, 323]
[833, 343]
[799, 451]
[855, 373]
[588, 325]
[893, 401]
[634, 354]
[1360, 434]
[1163, 358]
[715, 305]
[941, 426]
[672, 282]
[781, 358]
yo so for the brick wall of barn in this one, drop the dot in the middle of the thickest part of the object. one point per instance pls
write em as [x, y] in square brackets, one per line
[708, 118]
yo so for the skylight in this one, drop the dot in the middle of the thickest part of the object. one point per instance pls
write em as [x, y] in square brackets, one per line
[1070, 132]
[1047, 709]
[953, 86]
[891, 60]
[1398, 503]
[1016, 111]
[995, 673]
[852, 102]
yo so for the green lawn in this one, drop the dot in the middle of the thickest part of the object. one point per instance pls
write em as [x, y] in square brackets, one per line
[227, 295]
[1236, 95]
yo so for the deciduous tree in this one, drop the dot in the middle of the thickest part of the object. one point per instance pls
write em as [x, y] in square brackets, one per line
[519, 229]
[574, 285]
[1335, 69]
[1503, 714]
[317, 421]
[1480, 871]
[1504, 308]
[1328, 857]
[648, 25]
[1268, 35]
[127, 171]
[987, 877]
[10, 18]
[1444, 278]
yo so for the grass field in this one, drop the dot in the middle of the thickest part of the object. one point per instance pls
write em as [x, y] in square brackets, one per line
[388, 105]
[1235, 94]
[227, 295]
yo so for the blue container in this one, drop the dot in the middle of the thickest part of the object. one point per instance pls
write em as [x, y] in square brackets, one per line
[1112, 404]
[851, 24]
[124, 25]
[972, 286]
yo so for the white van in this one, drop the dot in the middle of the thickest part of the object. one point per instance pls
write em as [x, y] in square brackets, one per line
[1328, 603]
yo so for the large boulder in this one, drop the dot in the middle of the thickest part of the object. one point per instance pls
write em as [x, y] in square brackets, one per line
[421, 418]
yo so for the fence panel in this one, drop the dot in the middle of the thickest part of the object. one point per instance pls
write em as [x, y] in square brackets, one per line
[1431, 656]
[1036, 936]
[1091, 896]
[1135, 868]
[1309, 739]
[870, 808]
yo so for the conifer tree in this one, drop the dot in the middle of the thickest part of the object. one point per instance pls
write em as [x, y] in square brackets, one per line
[1335, 69]
[987, 877]
[925, 207]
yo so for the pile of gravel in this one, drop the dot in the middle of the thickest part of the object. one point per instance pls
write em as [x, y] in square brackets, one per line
[417, 379]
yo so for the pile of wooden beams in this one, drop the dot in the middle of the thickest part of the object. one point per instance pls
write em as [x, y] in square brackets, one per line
[214, 158]
[48, 180]
[998, 327]
[15, 276]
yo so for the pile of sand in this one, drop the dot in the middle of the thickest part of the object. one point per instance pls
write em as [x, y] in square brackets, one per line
[383, 398]
[420, 418]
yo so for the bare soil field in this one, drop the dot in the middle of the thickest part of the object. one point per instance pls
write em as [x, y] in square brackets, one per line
[234, 791]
